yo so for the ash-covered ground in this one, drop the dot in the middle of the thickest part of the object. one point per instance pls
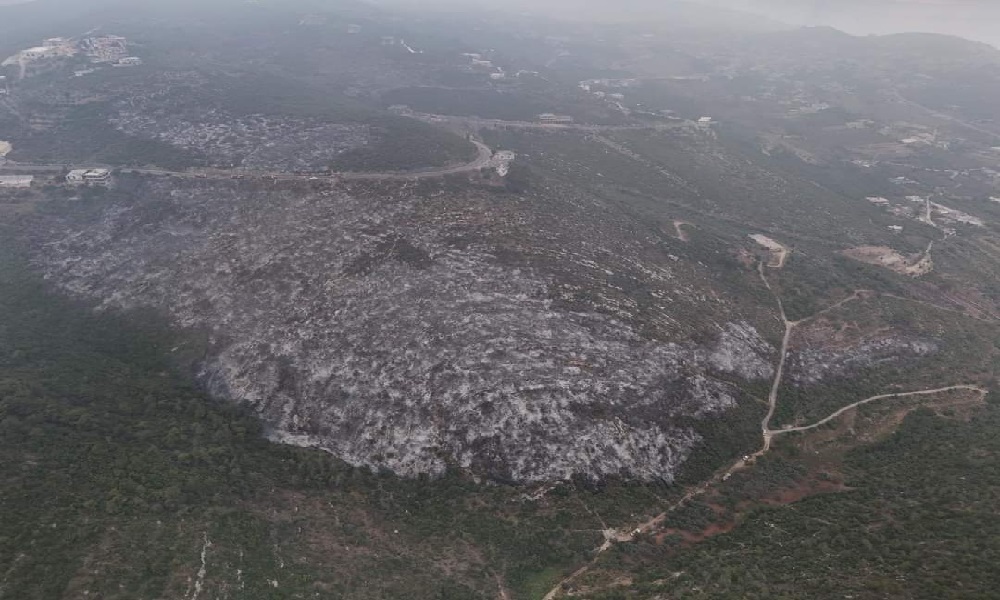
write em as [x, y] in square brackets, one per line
[413, 327]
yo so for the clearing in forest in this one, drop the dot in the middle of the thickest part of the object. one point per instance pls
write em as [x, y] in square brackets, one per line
[779, 253]
[883, 256]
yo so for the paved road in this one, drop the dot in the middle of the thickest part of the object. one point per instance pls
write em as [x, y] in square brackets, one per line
[478, 123]
[484, 155]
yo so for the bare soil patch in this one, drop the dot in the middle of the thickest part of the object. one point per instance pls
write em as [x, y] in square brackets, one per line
[883, 256]
[779, 253]
[679, 228]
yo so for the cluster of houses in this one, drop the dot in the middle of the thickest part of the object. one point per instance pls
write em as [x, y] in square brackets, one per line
[105, 49]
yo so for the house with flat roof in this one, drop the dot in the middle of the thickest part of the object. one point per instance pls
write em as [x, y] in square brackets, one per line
[89, 176]
[554, 118]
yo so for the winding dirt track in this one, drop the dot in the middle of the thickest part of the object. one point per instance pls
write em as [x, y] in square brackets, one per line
[971, 388]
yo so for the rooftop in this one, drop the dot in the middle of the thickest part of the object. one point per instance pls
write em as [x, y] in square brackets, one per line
[16, 180]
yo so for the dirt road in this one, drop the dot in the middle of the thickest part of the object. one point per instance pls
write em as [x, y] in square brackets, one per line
[772, 398]
[972, 388]
[614, 537]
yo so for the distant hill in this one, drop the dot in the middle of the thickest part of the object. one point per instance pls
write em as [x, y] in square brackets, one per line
[974, 19]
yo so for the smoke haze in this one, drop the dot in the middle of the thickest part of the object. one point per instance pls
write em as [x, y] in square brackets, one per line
[973, 19]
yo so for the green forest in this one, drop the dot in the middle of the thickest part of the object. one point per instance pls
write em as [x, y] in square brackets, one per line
[118, 472]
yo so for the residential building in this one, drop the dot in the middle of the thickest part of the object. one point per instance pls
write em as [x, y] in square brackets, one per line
[89, 176]
[555, 119]
[76, 175]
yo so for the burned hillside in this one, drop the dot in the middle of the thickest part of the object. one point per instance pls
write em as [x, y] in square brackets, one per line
[415, 327]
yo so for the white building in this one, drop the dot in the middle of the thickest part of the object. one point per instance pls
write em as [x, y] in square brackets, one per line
[76, 175]
[89, 176]
[16, 181]
[554, 118]
[705, 121]
[129, 61]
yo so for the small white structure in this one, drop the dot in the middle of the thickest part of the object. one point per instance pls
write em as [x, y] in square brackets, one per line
[705, 121]
[16, 181]
[554, 118]
[501, 162]
[89, 176]
[896, 228]
[129, 61]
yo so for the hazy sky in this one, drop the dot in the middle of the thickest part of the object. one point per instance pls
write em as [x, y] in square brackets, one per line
[976, 19]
